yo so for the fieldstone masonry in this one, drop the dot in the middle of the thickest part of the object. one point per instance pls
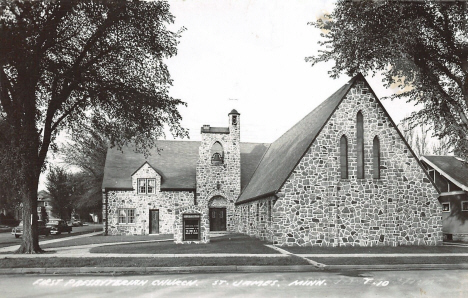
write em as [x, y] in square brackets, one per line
[164, 201]
[204, 224]
[315, 207]
[223, 179]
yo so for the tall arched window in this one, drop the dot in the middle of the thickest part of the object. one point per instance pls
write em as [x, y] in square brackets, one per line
[360, 145]
[376, 158]
[217, 154]
[344, 157]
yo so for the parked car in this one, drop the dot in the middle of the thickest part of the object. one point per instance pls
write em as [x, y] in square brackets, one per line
[77, 223]
[57, 226]
[41, 228]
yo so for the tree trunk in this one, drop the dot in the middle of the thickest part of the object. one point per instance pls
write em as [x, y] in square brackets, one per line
[30, 169]
[30, 238]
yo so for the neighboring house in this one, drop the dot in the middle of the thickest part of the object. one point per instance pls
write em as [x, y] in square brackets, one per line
[450, 175]
[43, 200]
[343, 175]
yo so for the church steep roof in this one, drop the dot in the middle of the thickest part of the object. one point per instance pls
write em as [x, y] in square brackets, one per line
[285, 153]
[176, 162]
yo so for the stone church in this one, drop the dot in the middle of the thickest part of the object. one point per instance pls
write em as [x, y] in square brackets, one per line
[343, 175]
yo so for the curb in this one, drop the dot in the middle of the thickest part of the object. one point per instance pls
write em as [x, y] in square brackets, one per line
[149, 270]
[226, 269]
[399, 267]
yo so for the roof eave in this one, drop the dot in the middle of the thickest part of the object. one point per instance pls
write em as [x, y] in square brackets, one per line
[259, 197]
[447, 176]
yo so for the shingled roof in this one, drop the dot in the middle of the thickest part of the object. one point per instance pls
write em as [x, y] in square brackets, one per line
[453, 168]
[284, 154]
[176, 162]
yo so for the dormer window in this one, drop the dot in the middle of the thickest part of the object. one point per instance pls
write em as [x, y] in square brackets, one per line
[146, 186]
[217, 154]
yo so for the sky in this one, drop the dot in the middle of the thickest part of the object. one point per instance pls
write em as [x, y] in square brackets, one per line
[250, 56]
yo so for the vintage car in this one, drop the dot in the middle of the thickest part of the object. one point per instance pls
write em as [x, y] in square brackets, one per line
[41, 228]
[77, 223]
[57, 226]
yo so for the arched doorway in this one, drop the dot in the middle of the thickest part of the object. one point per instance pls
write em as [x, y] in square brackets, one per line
[217, 208]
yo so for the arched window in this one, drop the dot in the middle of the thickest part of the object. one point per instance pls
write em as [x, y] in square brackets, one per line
[360, 145]
[217, 154]
[376, 158]
[344, 157]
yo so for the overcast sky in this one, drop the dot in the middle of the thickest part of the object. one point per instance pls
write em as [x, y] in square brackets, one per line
[249, 55]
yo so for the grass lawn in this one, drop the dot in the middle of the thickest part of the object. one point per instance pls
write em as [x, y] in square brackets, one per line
[147, 262]
[104, 239]
[233, 243]
[391, 261]
[376, 249]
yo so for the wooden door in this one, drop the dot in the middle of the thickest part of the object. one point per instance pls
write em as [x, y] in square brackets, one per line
[154, 222]
[217, 219]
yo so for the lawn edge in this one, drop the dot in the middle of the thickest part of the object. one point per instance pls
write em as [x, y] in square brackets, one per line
[229, 268]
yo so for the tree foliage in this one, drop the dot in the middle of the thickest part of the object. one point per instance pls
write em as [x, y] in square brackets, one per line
[9, 162]
[68, 63]
[60, 188]
[417, 138]
[419, 46]
[87, 152]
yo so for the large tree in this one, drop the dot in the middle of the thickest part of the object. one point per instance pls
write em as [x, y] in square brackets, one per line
[67, 63]
[419, 46]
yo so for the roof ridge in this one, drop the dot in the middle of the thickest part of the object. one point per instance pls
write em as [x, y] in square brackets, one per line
[276, 145]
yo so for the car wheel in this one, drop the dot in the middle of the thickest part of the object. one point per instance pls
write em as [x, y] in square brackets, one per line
[16, 236]
[69, 232]
[58, 233]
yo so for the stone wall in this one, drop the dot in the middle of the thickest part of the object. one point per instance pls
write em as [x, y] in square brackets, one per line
[256, 218]
[316, 207]
[204, 224]
[220, 180]
[165, 201]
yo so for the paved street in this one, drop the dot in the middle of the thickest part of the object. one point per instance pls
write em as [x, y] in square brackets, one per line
[6, 239]
[451, 283]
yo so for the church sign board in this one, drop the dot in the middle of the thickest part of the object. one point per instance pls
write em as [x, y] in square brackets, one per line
[191, 226]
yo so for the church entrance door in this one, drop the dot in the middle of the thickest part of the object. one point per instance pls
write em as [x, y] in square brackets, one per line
[217, 219]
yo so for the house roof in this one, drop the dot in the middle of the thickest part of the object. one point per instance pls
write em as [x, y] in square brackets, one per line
[176, 163]
[43, 195]
[453, 168]
[285, 153]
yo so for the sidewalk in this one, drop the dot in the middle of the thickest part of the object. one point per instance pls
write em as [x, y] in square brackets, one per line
[83, 251]
[15, 247]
